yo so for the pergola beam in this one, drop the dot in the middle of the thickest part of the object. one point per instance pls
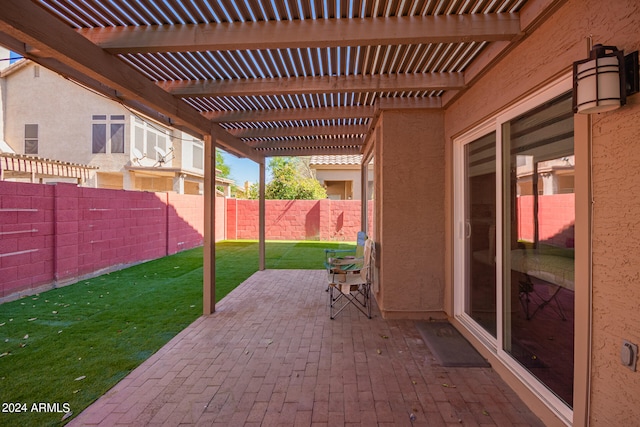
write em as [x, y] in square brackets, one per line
[306, 33]
[309, 151]
[308, 143]
[291, 114]
[298, 131]
[409, 103]
[315, 85]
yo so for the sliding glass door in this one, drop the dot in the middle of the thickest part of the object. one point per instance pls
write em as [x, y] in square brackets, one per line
[539, 217]
[480, 231]
[514, 241]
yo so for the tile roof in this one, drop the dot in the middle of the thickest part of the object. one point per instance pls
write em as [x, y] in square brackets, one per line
[354, 159]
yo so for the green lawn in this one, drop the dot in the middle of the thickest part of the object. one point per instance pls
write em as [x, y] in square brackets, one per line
[71, 345]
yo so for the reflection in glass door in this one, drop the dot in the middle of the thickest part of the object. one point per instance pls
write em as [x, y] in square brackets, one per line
[539, 217]
[480, 232]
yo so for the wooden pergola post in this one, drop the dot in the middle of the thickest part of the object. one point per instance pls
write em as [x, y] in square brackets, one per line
[261, 214]
[209, 250]
[364, 207]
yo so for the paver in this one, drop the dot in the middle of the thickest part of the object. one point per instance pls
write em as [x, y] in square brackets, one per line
[270, 355]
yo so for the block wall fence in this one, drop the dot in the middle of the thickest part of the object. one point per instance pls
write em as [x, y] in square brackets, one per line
[294, 219]
[556, 214]
[53, 235]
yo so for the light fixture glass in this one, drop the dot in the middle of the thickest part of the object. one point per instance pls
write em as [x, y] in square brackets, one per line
[598, 85]
[599, 81]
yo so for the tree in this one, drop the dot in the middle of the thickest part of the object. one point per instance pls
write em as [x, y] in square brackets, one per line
[291, 179]
[224, 169]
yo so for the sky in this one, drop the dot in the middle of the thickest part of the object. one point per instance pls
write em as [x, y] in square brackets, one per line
[242, 169]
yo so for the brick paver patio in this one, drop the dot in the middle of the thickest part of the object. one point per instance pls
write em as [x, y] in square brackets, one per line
[271, 356]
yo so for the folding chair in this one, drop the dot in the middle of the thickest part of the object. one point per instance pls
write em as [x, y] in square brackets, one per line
[349, 259]
[354, 255]
[349, 287]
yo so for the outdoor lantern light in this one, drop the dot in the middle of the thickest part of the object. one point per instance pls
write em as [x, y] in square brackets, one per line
[604, 80]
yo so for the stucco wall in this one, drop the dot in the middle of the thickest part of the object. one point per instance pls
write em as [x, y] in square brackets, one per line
[64, 122]
[64, 112]
[326, 173]
[543, 56]
[616, 263]
[410, 159]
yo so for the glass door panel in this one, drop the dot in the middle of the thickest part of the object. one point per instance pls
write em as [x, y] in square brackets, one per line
[480, 232]
[539, 217]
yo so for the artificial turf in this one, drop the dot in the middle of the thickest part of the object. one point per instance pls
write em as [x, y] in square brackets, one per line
[66, 347]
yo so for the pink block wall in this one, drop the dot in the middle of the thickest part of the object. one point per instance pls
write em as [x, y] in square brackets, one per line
[556, 218]
[295, 219]
[220, 218]
[56, 234]
[186, 221]
[27, 236]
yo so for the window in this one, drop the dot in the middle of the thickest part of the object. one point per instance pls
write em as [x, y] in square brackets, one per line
[514, 240]
[117, 138]
[114, 141]
[198, 154]
[99, 138]
[30, 139]
[151, 141]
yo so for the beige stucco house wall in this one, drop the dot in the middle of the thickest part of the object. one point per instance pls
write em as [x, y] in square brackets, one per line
[415, 229]
[64, 112]
[4, 55]
[61, 109]
[410, 213]
[341, 175]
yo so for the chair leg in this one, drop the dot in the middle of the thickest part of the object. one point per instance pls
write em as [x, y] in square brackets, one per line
[529, 296]
[359, 298]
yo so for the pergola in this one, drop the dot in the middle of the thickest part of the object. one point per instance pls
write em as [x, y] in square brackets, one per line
[270, 78]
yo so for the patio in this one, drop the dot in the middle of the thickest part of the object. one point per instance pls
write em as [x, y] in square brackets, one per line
[270, 355]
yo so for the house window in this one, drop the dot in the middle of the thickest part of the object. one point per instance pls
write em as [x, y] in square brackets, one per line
[113, 142]
[514, 240]
[99, 138]
[151, 141]
[30, 139]
[117, 134]
[198, 154]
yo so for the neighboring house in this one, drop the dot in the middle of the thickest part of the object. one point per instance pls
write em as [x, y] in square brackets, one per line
[341, 176]
[44, 115]
[553, 176]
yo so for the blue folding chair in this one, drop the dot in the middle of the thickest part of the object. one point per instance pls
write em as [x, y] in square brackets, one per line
[351, 259]
[351, 287]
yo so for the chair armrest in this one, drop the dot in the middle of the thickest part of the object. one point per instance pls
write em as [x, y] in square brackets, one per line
[331, 254]
[344, 264]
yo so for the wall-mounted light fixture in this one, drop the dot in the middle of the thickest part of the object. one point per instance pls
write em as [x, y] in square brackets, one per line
[603, 81]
